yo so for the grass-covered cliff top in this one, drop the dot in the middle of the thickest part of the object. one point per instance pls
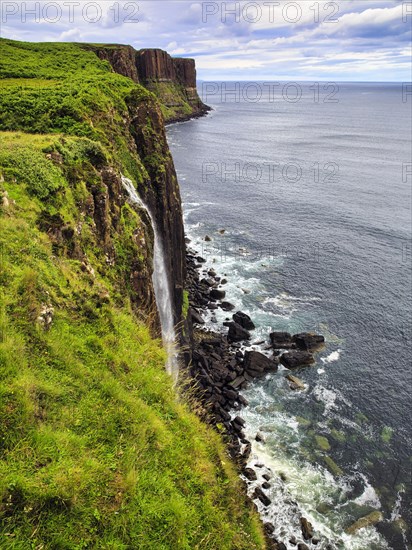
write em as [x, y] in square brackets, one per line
[95, 449]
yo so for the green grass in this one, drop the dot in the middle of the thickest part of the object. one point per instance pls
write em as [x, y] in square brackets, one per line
[96, 451]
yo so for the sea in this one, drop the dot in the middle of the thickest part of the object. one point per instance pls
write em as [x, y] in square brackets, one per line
[303, 193]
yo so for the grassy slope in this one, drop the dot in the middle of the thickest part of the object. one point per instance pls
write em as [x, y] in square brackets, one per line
[95, 451]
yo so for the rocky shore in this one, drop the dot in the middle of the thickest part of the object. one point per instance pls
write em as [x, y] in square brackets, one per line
[224, 361]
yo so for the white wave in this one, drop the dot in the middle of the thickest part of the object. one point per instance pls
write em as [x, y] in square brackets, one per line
[369, 495]
[334, 356]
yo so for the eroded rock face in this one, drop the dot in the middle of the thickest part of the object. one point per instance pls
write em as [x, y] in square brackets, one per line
[173, 80]
[161, 192]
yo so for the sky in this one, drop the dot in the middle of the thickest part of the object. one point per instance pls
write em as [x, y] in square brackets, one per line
[342, 40]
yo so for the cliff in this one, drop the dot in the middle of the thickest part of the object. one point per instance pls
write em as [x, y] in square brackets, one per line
[95, 449]
[172, 80]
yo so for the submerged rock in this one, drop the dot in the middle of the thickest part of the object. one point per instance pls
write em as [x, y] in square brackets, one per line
[293, 359]
[295, 382]
[371, 519]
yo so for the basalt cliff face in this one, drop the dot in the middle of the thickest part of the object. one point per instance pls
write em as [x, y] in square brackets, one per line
[173, 80]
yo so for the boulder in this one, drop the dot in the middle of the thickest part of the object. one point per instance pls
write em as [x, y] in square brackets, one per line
[281, 340]
[207, 238]
[256, 363]
[259, 494]
[303, 546]
[237, 333]
[243, 320]
[196, 317]
[308, 341]
[217, 294]
[307, 529]
[293, 359]
[227, 306]
[250, 474]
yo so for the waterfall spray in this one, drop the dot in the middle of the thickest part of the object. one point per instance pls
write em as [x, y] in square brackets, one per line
[161, 286]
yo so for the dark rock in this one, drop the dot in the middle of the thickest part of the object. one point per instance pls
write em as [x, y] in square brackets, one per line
[200, 259]
[239, 421]
[227, 306]
[243, 320]
[250, 474]
[281, 546]
[315, 541]
[208, 282]
[211, 273]
[196, 317]
[258, 363]
[293, 359]
[308, 341]
[266, 476]
[237, 333]
[269, 527]
[265, 485]
[293, 541]
[217, 294]
[307, 529]
[223, 281]
[259, 437]
[303, 546]
[207, 238]
[259, 494]
[281, 340]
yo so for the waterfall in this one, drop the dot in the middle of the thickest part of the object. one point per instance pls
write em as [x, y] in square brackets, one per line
[161, 286]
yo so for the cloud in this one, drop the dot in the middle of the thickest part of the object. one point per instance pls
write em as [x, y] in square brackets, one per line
[340, 39]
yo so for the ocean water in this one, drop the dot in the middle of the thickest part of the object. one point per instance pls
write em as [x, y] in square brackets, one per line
[312, 188]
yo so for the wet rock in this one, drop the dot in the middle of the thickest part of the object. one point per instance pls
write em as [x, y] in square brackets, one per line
[308, 341]
[315, 541]
[217, 294]
[280, 545]
[303, 546]
[281, 340]
[243, 320]
[257, 364]
[237, 333]
[266, 476]
[293, 359]
[260, 437]
[269, 527]
[223, 281]
[207, 238]
[196, 317]
[293, 541]
[259, 494]
[200, 259]
[250, 474]
[295, 382]
[307, 529]
[265, 485]
[227, 306]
